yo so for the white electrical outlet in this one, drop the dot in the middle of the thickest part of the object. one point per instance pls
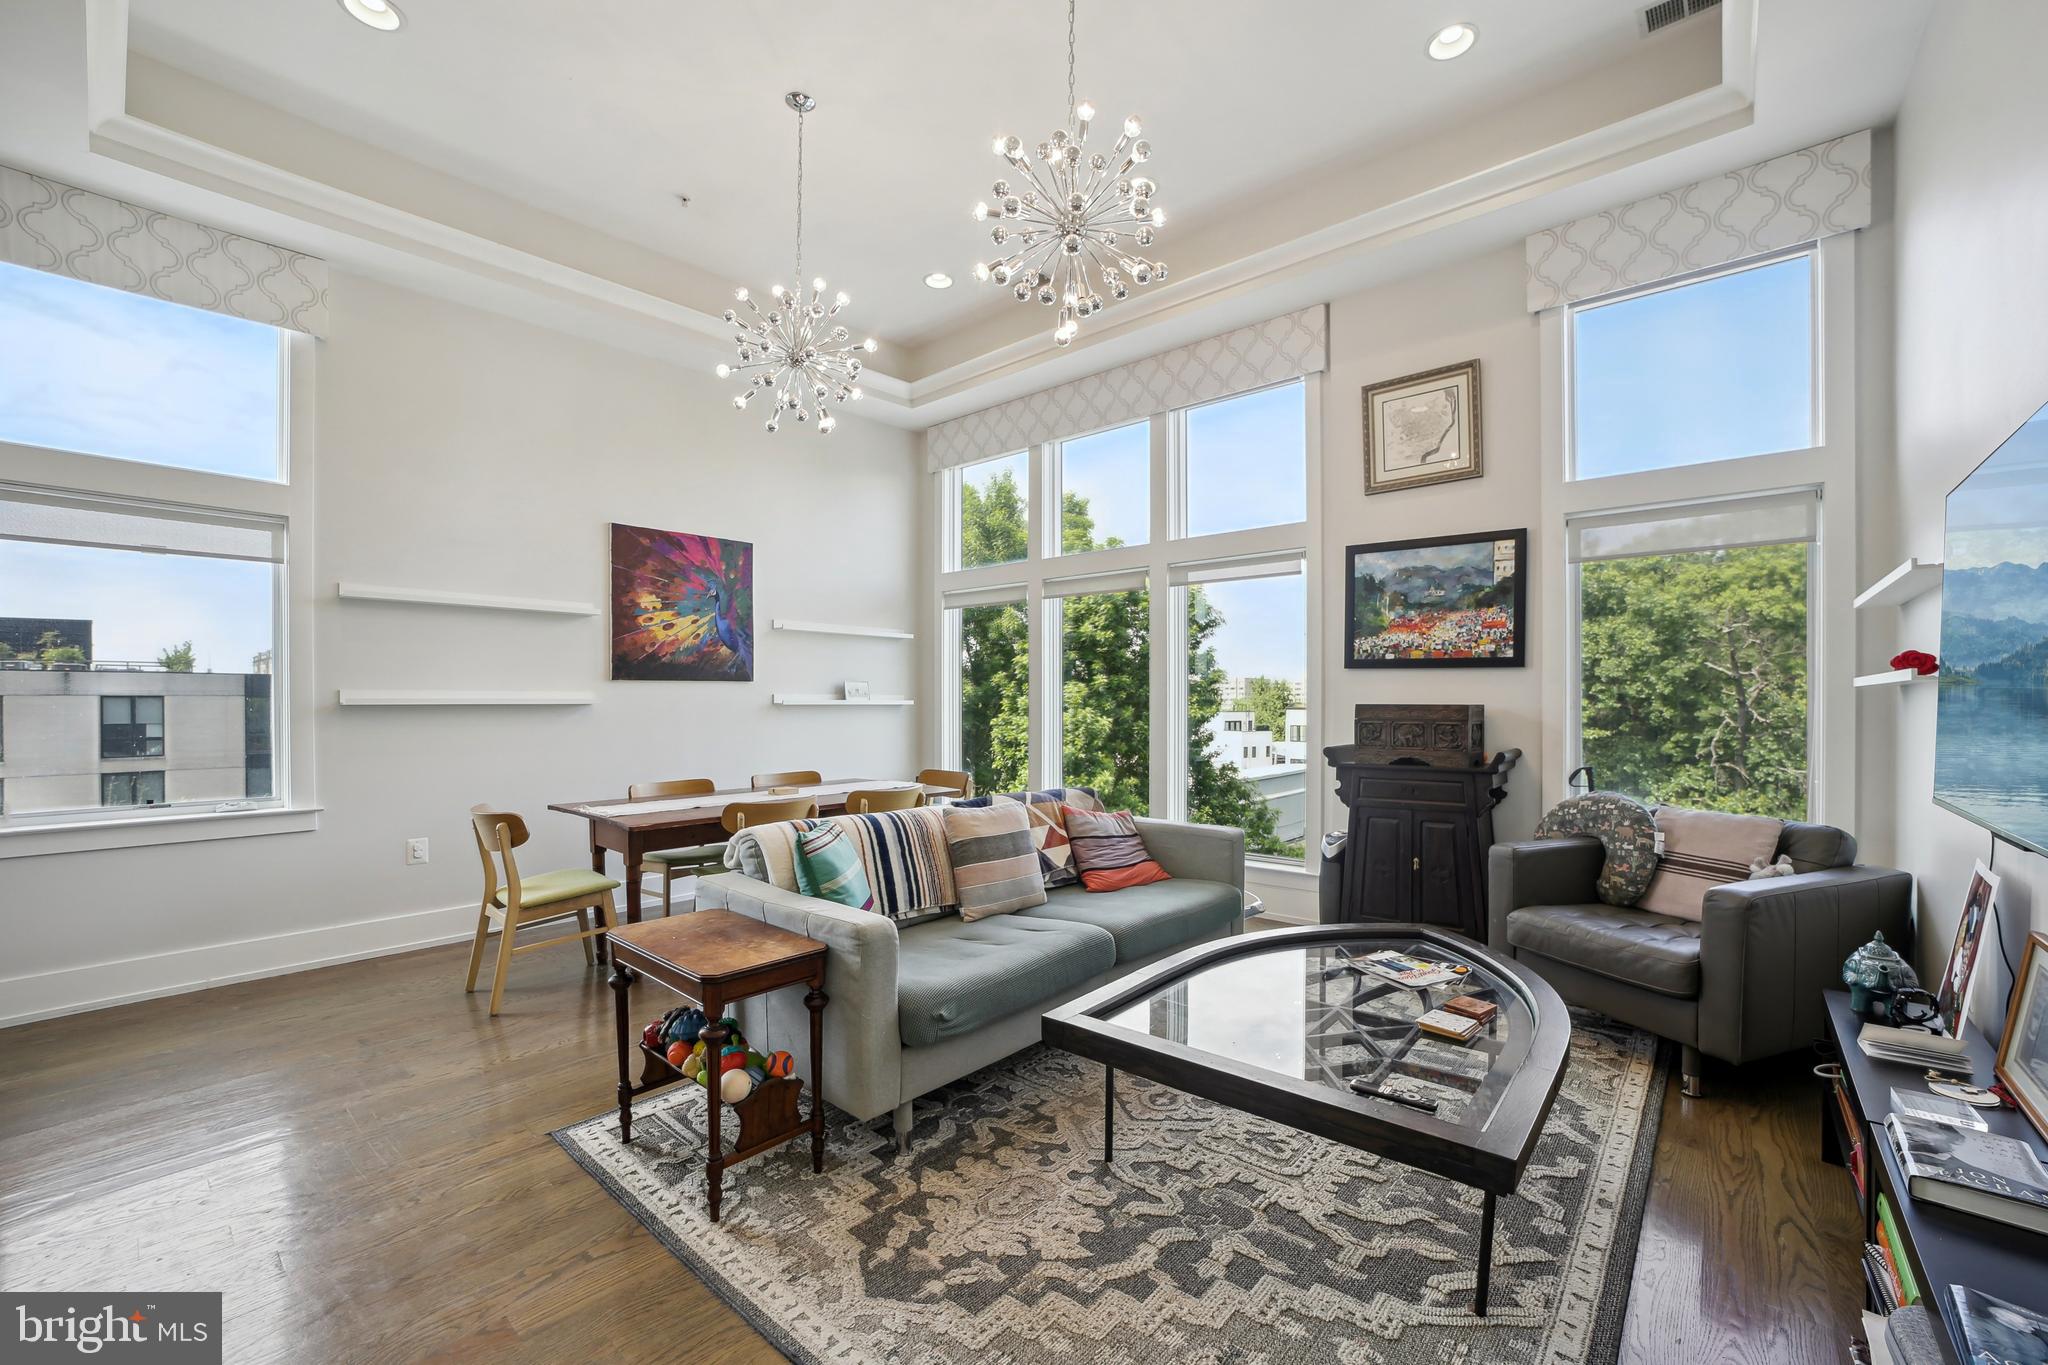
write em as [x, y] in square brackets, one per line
[415, 851]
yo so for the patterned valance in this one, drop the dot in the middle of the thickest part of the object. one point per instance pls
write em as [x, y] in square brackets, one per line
[1799, 197]
[1237, 362]
[87, 236]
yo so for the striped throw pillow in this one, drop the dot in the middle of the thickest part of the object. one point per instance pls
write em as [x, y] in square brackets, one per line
[830, 863]
[995, 867]
[1109, 851]
[1048, 826]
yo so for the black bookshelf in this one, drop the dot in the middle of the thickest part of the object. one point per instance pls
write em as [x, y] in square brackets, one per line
[1946, 1247]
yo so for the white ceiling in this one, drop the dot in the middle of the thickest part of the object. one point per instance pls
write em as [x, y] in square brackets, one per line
[601, 111]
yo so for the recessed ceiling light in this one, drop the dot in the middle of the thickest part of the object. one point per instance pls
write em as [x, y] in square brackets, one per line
[378, 14]
[938, 279]
[1454, 41]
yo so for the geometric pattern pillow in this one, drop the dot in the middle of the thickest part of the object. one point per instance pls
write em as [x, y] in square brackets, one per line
[1625, 829]
[1048, 826]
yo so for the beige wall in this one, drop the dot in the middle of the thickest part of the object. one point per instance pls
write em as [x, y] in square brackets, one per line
[462, 451]
[1972, 364]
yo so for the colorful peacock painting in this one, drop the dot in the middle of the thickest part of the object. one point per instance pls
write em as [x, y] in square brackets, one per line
[682, 607]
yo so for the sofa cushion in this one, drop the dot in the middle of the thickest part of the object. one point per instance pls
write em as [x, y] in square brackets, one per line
[1109, 850]
[1816, 848]
[1146, 920]
[995, 869]
[955, 976]
[1626, 831]
[1656, 952]
[1048, 826]
[1703, 849]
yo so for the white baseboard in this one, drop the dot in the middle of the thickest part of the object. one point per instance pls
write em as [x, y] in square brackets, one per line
[101, 985]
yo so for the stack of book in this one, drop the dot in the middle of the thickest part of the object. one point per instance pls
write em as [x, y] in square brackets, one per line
[1993, 1177]
[1409, 970]
[1853, 1133]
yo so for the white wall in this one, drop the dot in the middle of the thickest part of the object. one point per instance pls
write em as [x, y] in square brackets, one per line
[463, 451]
[1972, 287]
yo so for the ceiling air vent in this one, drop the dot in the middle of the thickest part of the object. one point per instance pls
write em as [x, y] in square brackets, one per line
[1668, 12]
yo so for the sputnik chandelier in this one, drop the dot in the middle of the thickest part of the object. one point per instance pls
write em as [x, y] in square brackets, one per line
[1073, 213]
[794, 350]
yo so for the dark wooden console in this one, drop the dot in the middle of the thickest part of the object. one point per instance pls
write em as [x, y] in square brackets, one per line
[1418, 838]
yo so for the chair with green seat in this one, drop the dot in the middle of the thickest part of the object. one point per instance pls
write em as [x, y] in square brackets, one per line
[521, 902]
[671, 863]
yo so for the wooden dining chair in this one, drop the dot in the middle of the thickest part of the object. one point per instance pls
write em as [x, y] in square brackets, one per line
[671, 863]
[957, 783]
[739, 815]
[763, 781]
[875, 800]
[518, 902]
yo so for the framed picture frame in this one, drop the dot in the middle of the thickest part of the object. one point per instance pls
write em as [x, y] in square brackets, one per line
[1952, 996]
[1423, 428]
[682, 607]
[2023, 1051]
[1438, 602]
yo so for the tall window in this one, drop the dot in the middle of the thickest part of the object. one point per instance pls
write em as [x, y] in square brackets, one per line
[1194, 529]
[1710, 369]
[136, 603]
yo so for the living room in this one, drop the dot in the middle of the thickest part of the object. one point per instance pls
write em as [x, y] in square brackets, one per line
[1498, 821]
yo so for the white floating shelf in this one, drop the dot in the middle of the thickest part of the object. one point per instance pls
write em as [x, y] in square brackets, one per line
[819, 628]
[820, 699]
[1897, 677]
[430, 597]
[1902, 584]
[358, 697]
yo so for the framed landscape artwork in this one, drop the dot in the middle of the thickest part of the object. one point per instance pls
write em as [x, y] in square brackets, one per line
[2023, 1051]
[1422, 429]
[1442, 602]
[682, 607]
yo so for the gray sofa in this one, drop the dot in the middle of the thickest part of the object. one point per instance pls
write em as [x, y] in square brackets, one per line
[1742, 983]
[917, 1007]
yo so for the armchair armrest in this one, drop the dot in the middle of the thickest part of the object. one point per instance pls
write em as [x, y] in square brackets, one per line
[863, 1045]
[1769, 947]
[1210, 853]
[1539, 872]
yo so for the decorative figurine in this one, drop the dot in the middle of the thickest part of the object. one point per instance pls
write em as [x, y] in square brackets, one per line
[1873, 974]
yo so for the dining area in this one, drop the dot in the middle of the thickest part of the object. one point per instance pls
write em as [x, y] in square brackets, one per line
[666, 832]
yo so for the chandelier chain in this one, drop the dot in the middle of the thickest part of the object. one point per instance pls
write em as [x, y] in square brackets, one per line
[1070, 54]
[796, 280]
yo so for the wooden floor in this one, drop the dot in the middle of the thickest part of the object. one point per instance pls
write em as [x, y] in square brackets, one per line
[359, 1158]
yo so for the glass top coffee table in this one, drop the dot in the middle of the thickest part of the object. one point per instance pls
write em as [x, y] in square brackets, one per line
[1291, 1025]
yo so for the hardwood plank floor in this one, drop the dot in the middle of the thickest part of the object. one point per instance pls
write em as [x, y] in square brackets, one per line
[358, 1157]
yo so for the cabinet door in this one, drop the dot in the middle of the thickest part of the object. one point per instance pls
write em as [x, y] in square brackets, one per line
[1381, 865]
[1442, 896]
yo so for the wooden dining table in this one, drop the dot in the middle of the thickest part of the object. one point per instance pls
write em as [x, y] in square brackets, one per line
[634, 829]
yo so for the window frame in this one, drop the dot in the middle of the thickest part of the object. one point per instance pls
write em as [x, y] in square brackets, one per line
[288, 500]
[1828, 468]
[1045, 576]
[161, 723]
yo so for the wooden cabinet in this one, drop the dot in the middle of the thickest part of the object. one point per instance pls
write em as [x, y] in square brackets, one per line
[1418, 839]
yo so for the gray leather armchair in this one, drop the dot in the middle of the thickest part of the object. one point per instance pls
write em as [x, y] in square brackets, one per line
[1741, 984]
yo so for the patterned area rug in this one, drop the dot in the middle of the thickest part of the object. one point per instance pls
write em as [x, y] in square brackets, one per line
[1002, 1239]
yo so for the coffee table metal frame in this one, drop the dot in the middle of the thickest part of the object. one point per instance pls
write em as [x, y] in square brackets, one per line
[1490, 1158]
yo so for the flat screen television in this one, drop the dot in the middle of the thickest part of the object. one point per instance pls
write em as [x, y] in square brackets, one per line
[1991, 725]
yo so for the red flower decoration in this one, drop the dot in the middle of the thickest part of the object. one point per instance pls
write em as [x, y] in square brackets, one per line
[1918, 660]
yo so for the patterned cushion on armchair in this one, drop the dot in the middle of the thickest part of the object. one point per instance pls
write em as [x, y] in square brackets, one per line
[1625, 829]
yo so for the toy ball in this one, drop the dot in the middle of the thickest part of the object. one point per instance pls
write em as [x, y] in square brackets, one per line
[678, 1053]
[685, 1026]
[755, 1074]
[780, 1064]
[735, 1086]
[732, 1061]
[651, 1035]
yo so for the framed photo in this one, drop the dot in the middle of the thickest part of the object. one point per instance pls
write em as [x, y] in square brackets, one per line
[1441, 602]
[682, 607]
[1952, 997]
[1422, 429]
[2023, 1052]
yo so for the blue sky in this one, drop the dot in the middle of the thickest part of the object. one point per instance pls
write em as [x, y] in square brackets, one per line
[1999, 513]
[1711, 371]
[110, 373]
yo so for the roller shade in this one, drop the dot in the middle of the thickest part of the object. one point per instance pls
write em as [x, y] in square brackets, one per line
[1280, 564]
[1077, 585]
[152, 528]
[1255, 357]
[996, 596]
[67, 231]
[1774, 519]
[1803, 196]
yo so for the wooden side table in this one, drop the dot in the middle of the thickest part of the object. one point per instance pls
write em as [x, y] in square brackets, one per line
[717, 959]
